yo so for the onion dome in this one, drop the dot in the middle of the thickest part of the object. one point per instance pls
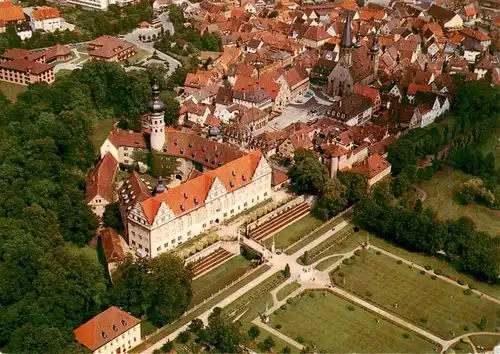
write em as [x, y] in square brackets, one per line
[160, 187]
[156, 105]
[214, 131]
[357, 44]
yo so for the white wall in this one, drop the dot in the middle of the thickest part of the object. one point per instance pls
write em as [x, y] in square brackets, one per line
[126, 341]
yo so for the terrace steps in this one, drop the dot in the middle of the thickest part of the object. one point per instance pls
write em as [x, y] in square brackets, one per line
[211, 261]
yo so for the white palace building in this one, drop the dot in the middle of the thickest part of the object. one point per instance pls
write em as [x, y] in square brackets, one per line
[159, 219]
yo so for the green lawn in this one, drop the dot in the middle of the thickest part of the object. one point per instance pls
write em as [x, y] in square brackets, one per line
[263, 335]
[462, 347]
[209, 304]
[287, 290]
[63, 72]
[294, 232]
[12, 90]
[218, 278]
[147, 328]
[100, 132]
[140, 55]
[486, 341]
[327, 262]
[440, 197]
[436, 263]
[436, 305]
[318, 233]
[327, 322]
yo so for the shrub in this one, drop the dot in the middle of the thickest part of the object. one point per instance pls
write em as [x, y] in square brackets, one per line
[353, 258]
[467, 291]
[433, 277]
[378, 253]
[461, 282]
[346, 261]
[277, 312]
[300, 339]
[406, 335]
[369, 293]
[286, 350]
[167, 347]
[283, 307]
[278, 326]
[422, 272]
[341, 274]
[428, 267]
[438, 272]
[357, 253]
[312, 294]
[472, 286]
[400, 261]
[351, 307]
[289, 301]
[423, 320]
[253, 332]
[466, 328]
[183, 337]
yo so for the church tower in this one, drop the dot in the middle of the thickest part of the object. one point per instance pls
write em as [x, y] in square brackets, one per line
[374, 57]
[157, 112]
[346, 44]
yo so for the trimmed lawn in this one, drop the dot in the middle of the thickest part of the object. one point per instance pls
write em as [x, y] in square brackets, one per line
[327, 322]
[218, 278]
[287, 290]
[461, 347]
[318, 233]
[436, 263]
[440, 198]
[186, 319]
[100, 132]
[63, 72]
[147, 328]
[12, 90]
[486, 341]
[327, 262]
[140, 55]
[263, 335]
[436, 305]
[294, 232]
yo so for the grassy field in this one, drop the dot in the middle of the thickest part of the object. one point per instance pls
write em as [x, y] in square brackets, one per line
[209, 304]
[436, 263]
[439, 191]
[306, 240]
[492, 145]
[486, 341]
[140, 55]
[218, 278]
[434, 304]
[333, 328]
[147, 328]
[63, 72]
[100, 132]
[293, 232]
[287, 290]
[462, 347]
[263, 335]
[327, 262]
[12, 90]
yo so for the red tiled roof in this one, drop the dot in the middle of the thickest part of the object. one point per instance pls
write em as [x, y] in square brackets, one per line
[100, 180]
[278, 177]
[413, 88]
[119, 137]
[370, 92]
[105, 327]
[19, 53]
[10, 13]
[193, 193]
[108, 46]
[316, 33]
[45, 13]
[480, 36]
[373, 166]
[295, 76]
[111, 245]
[25, 65]
[246, 84]
[56, 51]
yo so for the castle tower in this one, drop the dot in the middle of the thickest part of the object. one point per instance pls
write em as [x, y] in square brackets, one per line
[346, 44]
[374, 57]
[157, 111]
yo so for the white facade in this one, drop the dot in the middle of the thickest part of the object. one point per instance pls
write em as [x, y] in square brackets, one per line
[98, 205]
[122, 343]
[168, 230]
[122, 154]
[94, 4]
[157, 131]
[48, 25]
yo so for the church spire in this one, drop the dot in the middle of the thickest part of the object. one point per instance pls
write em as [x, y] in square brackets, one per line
[347, 36]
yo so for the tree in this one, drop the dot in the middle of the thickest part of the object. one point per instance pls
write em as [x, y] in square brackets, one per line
[308, 174]
[253, 332]
[286, 271]
[401, 155]
[400, 184]
[224, 335]
[267, 344]
[112, 217]
[305, 257]
[356, 186]
[196, 325]
[286, 350]
[332, 201]
[273, 14]
[167, 347]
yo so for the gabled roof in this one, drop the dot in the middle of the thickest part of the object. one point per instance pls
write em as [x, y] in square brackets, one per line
[10, 13]
[105, 327]
[45, 13]
[369, 92]
[192, 194]
[441, 14]
[100, 181]
[295, 75]
[316, 34]
[111, 245]
[25, 65]
[373, 166]
[128, 138]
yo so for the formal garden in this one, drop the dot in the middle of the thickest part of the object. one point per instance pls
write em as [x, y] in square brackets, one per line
[417, 296]
[327, 323]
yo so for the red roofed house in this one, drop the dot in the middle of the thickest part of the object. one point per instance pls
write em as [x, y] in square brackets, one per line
[45, 18]
[112, 247]
[122, 144]
[301, 139]
[297, 82]
[374, 169]
[10, 13]
[100, 184]
[315, 37]
[112, 331]
[369, 92]
[274, 90]
[110, 49]
[25, 72]
[413, 88]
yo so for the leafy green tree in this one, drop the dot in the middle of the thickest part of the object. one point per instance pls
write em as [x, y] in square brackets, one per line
[267, 344]
[224, 335]
[356, 186]
[401, 155]
[308, 174]
[112, 217]
[286, 271]
[253, 332]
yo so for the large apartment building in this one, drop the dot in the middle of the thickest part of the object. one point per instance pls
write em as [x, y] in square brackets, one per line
[110, 49]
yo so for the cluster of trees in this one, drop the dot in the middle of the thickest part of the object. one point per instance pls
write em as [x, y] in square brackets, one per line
[159, 288]
[309, 175]
[51, 283]
[420, 230]
[475, 190]
[208, 41]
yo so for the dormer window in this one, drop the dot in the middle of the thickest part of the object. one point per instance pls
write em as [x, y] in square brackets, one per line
[104, 335]
[195, 201]
[231, 184]
[193, 154]
[182, 207]
[182, 150]
[244, 177]
[190, 145]
[206, 159]
[115, 329]
[233, 173]
[185, 196]
[175, 142]
[204, 148]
